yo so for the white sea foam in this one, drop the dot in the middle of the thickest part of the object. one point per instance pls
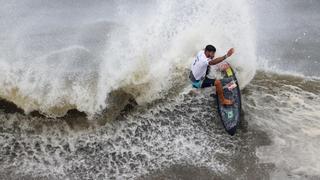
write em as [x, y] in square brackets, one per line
[289, 114]
[57, 56]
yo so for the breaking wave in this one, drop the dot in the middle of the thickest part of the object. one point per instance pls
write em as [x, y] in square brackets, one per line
[52, 64]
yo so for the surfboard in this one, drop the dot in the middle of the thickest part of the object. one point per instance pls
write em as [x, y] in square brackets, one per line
[230, 114]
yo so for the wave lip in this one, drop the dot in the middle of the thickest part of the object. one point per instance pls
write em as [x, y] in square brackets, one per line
[55, 65]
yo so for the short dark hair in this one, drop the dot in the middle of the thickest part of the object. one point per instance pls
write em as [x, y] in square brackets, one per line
[210, 48]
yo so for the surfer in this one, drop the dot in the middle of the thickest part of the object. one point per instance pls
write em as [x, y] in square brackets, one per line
[200, 68]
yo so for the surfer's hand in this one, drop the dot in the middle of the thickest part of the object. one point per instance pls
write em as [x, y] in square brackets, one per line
[230, 52]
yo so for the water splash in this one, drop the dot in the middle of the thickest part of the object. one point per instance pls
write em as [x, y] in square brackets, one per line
[53, 63]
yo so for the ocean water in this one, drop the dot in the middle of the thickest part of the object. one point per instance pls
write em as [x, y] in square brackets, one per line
[99, 90]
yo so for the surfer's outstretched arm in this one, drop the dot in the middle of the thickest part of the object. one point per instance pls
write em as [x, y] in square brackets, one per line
[222, 58]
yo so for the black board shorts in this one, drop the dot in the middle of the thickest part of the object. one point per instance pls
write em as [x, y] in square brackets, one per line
[206, 82]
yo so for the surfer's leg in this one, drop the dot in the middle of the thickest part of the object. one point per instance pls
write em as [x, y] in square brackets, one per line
[220, 94]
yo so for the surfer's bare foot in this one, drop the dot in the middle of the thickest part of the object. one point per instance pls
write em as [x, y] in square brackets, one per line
[227, 102]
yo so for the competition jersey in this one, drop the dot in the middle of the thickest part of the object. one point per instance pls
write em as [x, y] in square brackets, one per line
[200, 65]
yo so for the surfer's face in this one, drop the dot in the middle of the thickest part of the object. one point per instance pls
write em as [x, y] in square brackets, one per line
[211, 54]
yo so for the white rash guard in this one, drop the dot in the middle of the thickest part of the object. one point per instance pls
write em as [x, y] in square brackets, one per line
[200, 65]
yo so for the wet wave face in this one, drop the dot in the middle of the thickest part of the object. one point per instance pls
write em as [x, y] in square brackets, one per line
[287, 108]
[163, 140]
[180, 137]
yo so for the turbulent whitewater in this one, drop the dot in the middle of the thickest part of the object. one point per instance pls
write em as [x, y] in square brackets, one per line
[59, 56]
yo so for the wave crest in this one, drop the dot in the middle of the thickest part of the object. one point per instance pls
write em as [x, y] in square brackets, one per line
[143, 49]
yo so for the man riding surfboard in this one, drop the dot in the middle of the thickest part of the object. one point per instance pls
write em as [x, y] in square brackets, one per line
[199, 71]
